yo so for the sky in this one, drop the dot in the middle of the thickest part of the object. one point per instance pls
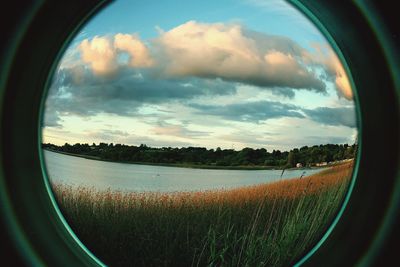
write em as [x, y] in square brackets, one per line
[229, 74]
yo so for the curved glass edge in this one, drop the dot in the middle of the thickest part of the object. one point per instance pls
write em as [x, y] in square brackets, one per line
[49, 190]
[331, 41]
[299, 6]
[9, 218]
[392, 60]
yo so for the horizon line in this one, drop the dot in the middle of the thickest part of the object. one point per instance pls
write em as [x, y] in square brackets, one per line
[114, 144]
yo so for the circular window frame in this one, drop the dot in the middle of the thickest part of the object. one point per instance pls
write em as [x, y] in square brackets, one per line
[36, 225]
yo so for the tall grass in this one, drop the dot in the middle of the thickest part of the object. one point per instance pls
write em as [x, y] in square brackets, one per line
[263, 225]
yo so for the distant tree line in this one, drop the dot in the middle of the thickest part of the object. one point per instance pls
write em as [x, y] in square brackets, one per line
[307, 156]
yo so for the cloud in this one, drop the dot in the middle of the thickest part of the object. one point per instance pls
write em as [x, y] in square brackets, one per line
[324, 56]
[246, 138]
[342, 116]
[216, 50]
[240, 139]
[138, 52]
[119, 74]
[232, 53]
[177, 131]
[263, 110]
[51, 119]
[78, 91]
[101, 53]
[106, 134]
[250, 112]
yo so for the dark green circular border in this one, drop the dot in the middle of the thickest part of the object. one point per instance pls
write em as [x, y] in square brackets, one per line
[47, 85]
[35, 225]
[357, 25]
[42, 236]
[298, 4]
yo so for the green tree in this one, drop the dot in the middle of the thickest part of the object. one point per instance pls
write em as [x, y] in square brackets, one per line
[291, 161]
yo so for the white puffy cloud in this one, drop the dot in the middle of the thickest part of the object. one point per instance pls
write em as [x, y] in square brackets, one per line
[225, 51]
[138, 52]
[230, 52]
[101, 53]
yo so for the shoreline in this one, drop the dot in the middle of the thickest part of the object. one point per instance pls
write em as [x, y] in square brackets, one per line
[190, 166]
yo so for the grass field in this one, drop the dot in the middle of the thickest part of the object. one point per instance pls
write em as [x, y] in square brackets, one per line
[264, 225]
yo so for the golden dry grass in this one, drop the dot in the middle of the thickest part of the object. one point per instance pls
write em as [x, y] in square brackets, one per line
[267, 224]
[286, 189]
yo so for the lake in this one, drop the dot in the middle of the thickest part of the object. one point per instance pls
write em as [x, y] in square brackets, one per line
[101, 175]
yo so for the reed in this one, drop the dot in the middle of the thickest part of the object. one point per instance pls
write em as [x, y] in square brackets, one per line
[264, 225]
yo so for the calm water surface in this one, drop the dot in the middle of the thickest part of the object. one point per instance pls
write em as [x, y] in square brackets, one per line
[102, 175]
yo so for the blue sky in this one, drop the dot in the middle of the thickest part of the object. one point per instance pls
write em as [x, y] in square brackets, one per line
[272, 16]
[232, 74]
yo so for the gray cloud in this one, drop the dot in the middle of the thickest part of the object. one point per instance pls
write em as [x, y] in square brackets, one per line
[267, 42]
[51, 119]
[264, 110]
[333, 116]
[77, 91]
[251, 112]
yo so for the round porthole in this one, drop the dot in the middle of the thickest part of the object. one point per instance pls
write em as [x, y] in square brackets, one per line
[225, 135]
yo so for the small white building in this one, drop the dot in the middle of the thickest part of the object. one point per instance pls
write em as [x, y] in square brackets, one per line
[299, 165]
